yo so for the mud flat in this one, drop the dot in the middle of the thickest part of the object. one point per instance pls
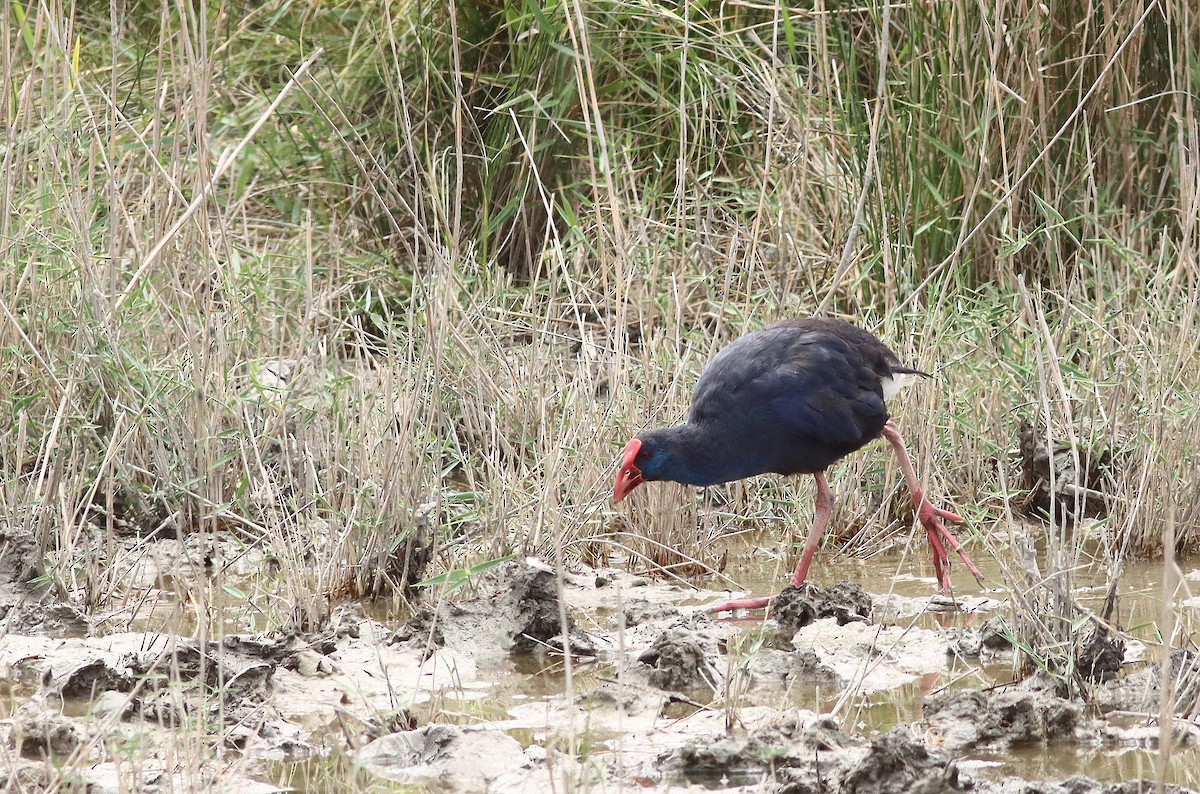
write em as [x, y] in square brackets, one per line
[846, 692]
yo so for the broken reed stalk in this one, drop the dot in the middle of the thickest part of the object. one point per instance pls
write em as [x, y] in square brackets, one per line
[1171, 579]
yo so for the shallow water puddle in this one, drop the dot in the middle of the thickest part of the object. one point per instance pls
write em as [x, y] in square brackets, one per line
[1060, 762]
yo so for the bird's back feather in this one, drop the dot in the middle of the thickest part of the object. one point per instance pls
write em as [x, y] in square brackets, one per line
[794, 397]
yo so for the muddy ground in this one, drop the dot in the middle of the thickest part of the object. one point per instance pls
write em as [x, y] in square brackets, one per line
[473, 694]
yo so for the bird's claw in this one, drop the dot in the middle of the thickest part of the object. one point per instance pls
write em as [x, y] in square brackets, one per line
[928, 512]
[931, 518]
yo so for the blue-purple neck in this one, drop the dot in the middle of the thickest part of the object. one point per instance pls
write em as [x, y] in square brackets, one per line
[694, 455]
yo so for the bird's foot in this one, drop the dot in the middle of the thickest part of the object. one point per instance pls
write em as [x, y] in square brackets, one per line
[941, 562]
[931, 518]
[743, 603]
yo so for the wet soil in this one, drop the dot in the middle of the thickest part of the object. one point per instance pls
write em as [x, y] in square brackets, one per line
[604, 679]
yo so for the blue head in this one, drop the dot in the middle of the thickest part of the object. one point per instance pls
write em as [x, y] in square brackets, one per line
[680, 454]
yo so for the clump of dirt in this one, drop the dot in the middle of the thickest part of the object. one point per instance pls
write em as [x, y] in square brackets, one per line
[1098, 656]
[476, 760]
[682, 662]
[41, 731]
[796, 607]
[1078, 784]
[190, 673]
[532, 608]
[423, 632]
[1141, 690]
[32, 776]
[784, 668]
[289, 650]
[516, 611]
[897, 763]
[1026, 712]
[25, 608]
[818, 758]
[809, 756]
[31, 618]
[728, 760]
[165, 679]
[992, 636]
[876, 658]
[1078, 484]
[88, 677]
[995, 634]
[1138, 691]
[632, 700]
[1145, 787]
[808, 668]
[639, 611]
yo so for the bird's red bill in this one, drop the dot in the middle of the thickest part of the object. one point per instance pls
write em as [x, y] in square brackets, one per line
[629, 476]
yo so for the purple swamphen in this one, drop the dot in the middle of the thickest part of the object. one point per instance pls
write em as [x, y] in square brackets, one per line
[793, 398]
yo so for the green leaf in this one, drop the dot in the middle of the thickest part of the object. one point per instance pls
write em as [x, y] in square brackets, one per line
[460, 576]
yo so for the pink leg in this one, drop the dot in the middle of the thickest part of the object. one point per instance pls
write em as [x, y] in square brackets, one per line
[821, 513]
[941, 561]
[930, 516]
[824, 507]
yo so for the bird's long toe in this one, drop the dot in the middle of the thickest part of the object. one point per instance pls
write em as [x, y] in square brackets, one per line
[931, 518]
[941, 560]
[946, 514]
[759, 602]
